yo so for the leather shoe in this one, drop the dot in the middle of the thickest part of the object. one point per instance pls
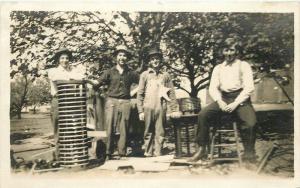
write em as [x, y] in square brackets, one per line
[147, 154]
[249, 158]
[200, 154]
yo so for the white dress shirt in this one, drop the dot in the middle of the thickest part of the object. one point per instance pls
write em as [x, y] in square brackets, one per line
[60, 73]
[231, 77]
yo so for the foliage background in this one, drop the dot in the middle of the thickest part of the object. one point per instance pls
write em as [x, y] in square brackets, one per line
[190, 42]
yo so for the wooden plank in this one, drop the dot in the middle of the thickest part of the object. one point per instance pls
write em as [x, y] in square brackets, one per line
[269, 107]
[98, 134]
[151, 164]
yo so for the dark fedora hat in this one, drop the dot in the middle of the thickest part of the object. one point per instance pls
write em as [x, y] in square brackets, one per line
[153, 52]
[122, 48]
[61, 51]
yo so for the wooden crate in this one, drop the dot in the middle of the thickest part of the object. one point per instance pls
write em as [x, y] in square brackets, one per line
[184, 131]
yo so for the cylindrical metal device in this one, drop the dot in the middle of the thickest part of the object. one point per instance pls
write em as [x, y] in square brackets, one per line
[72, 119]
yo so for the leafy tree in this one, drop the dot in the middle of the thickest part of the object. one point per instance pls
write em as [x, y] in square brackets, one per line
[268, 41]
[267, 38]
[38, 93]
[193, 45]
[192, 48]
[36, 35]
[26, 92]
[190, 41]
[146, 30]
[19, 91]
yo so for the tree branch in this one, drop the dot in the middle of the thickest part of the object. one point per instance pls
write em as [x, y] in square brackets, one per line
[179, 87]
[128, 20]
[113, 31]
[24, 93]
[178, 71]
[166, 25]
[202, 86]
[202, 81]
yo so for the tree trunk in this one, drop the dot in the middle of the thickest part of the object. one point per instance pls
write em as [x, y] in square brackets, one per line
[22, 103]
[34, 110]
[194, 91]
[19, 111]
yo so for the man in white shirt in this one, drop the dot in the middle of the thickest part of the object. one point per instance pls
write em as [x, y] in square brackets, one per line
[63, 71]
[230, 87]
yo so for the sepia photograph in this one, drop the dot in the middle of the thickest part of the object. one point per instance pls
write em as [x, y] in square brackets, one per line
[150, 94]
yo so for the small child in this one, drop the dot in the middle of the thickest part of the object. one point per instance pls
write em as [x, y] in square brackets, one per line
[154, 87]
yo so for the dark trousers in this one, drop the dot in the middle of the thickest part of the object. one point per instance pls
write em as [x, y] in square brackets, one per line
[246, 120]
[54, 121]
[154, 135]
[136, 130]
[99, 108]
[117, 113]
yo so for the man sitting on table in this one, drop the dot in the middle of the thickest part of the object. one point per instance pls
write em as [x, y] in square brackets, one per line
[230, 87]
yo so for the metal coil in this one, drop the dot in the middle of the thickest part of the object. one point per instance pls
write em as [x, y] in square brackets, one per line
[72, 133]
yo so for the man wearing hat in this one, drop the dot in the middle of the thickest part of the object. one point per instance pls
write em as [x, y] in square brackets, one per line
[62, 71]
[154, 90]
[117, 106]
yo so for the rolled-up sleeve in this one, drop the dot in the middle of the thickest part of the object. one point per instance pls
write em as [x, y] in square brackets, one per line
[214, 85]
[104, 79]
[173, 103]
[51, 77]
[248, 83]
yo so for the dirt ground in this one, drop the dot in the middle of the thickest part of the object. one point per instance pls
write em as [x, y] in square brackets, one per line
[32, 138]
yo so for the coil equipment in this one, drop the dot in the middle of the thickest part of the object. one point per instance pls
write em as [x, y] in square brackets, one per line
[72, 119]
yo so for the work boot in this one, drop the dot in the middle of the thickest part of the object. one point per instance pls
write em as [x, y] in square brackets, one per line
[200, 154]
[157, 153]
[249, 158]
[248, 138]
[148, 154]
[122, 156]
[108, 157]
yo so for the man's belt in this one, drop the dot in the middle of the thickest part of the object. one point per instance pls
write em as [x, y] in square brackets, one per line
[231, 94]
[229, 97]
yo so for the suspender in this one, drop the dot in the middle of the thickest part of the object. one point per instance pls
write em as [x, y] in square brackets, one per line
[240, 73]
